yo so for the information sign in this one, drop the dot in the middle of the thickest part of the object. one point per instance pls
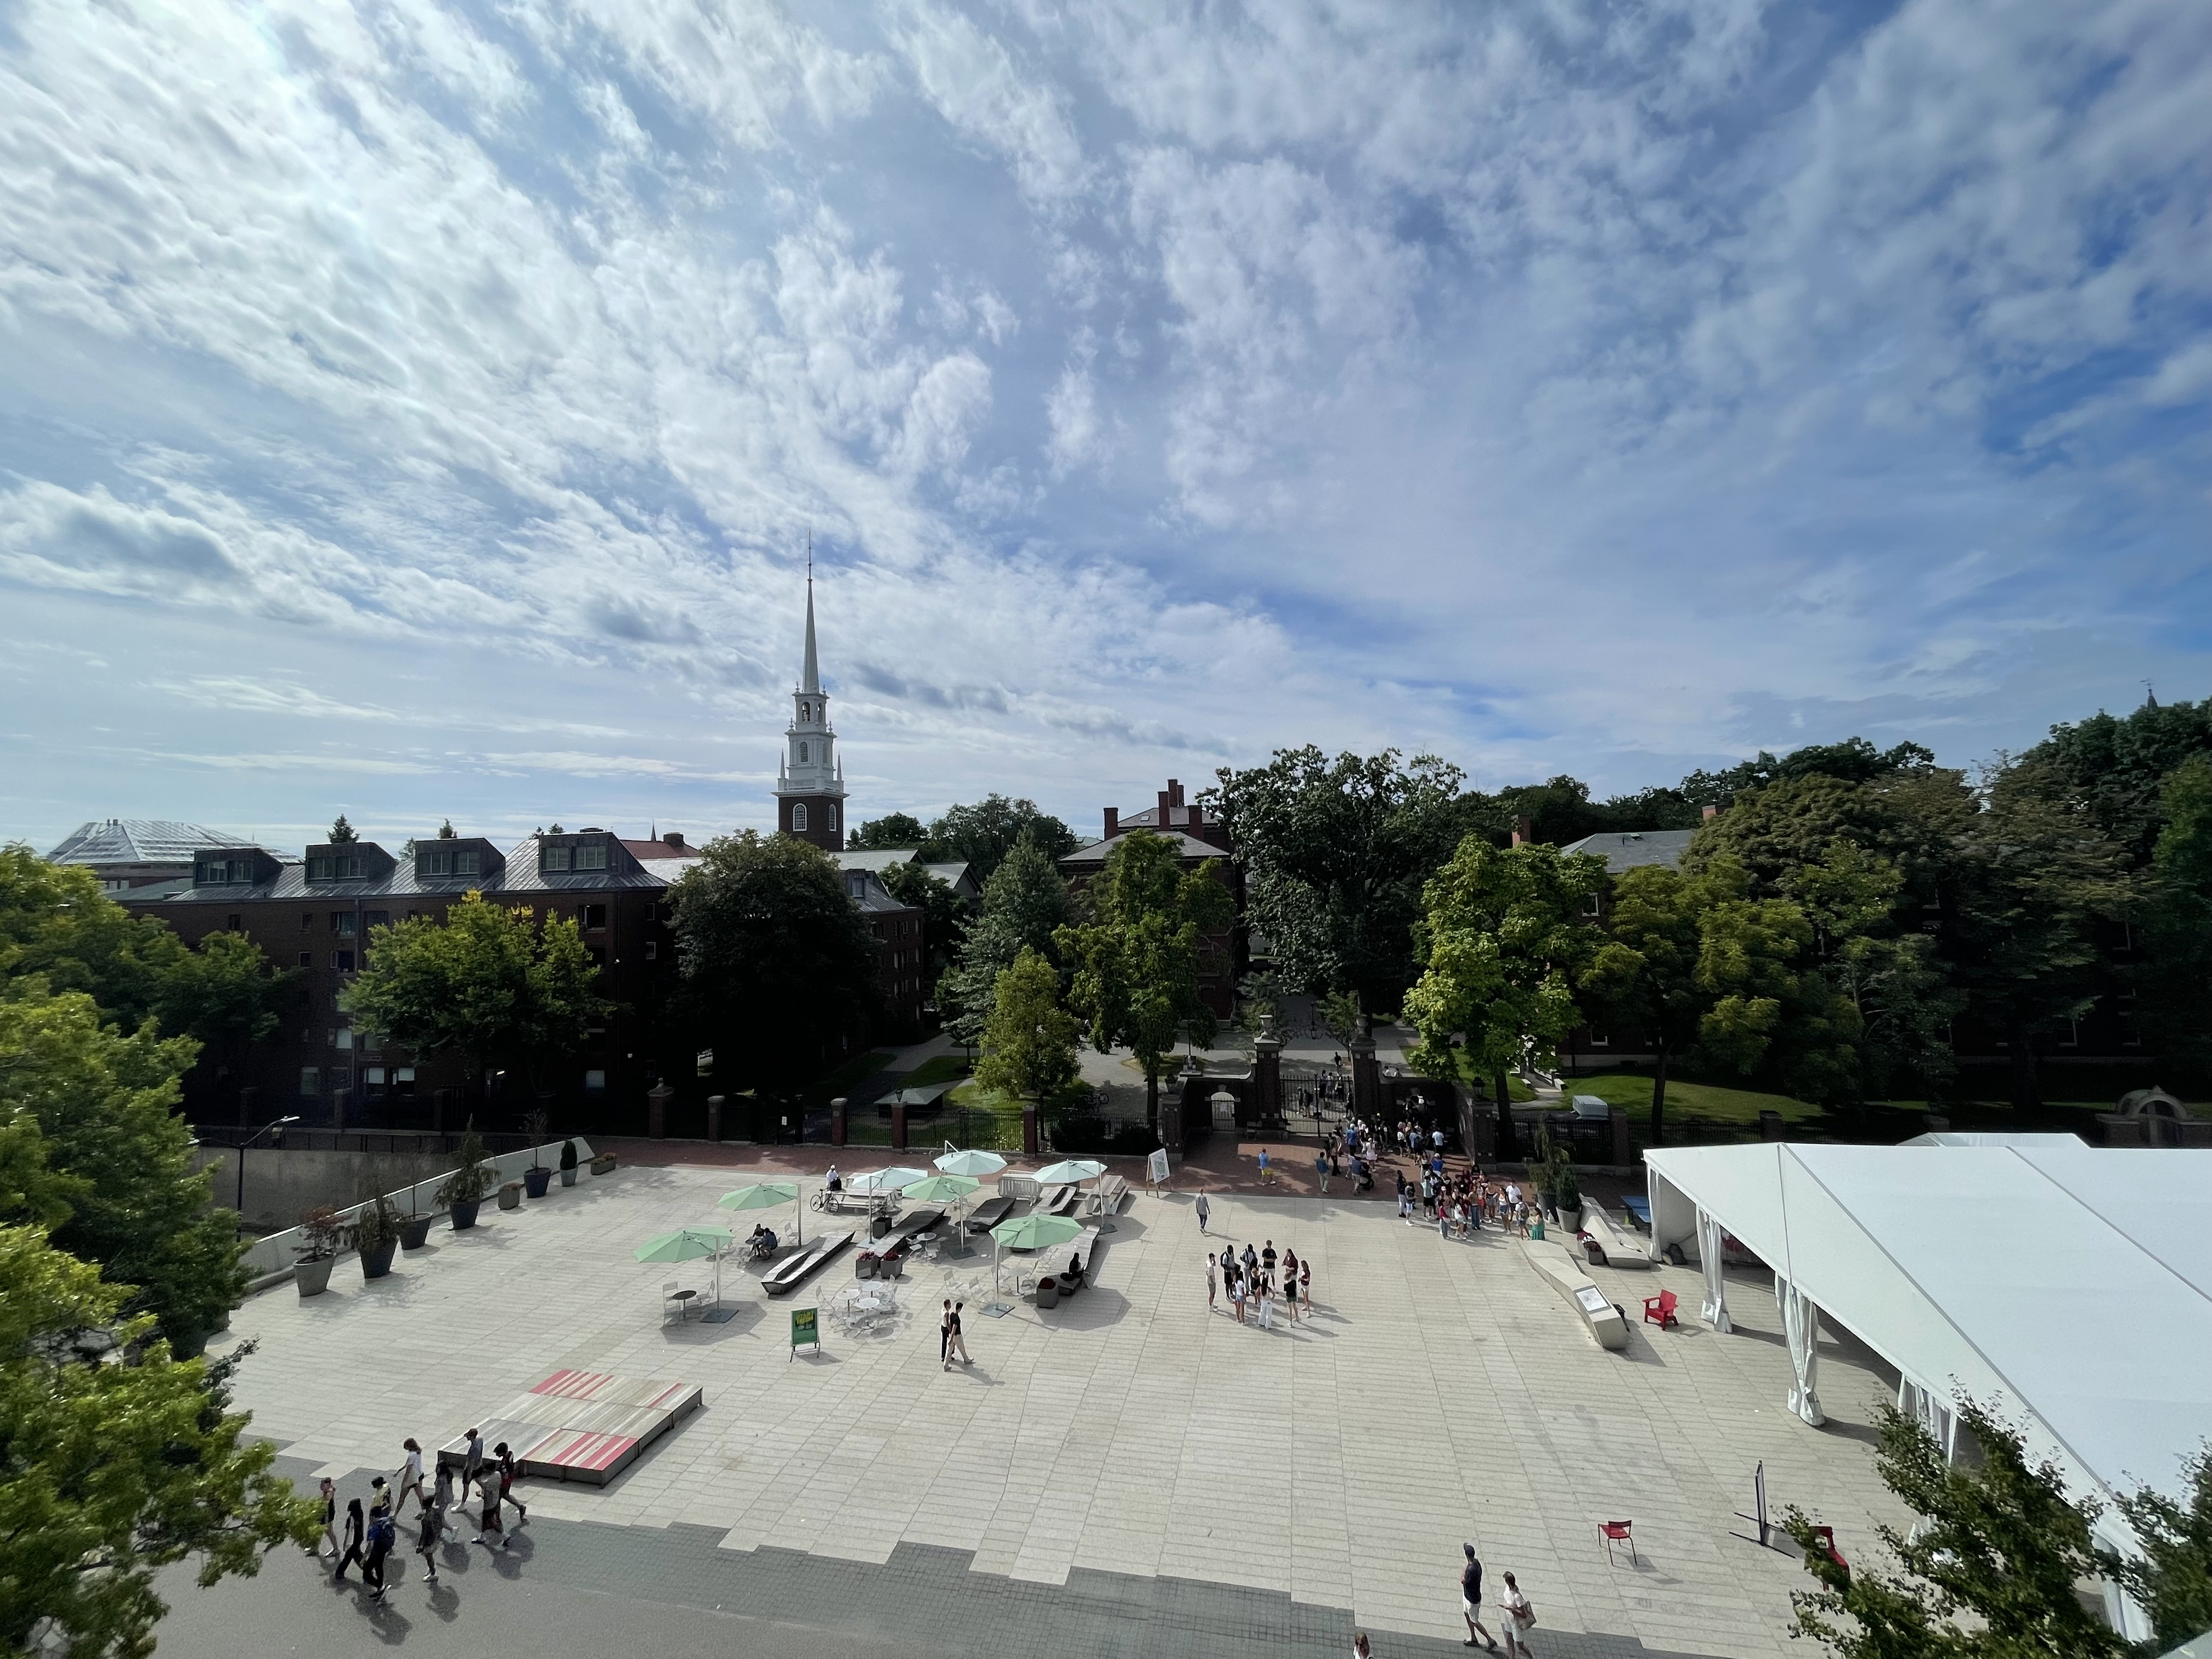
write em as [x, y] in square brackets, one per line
[1155, 1167]
[806, 1327]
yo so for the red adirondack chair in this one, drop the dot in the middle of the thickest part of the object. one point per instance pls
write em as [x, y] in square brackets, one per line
[1616, 1531]
[1660, 1310]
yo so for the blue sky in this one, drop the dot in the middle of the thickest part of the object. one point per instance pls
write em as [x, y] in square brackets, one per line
[420, 410]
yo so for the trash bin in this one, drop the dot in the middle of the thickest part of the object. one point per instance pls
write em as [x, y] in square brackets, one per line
[879, 1226]
[1048, 1293]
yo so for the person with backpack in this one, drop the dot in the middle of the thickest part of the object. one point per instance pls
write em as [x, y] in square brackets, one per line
[382, 1534]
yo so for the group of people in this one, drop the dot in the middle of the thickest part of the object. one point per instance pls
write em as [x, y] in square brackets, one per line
[485, 1481]
[1256, 1280]
[1517, 1616]
[1459, 1204]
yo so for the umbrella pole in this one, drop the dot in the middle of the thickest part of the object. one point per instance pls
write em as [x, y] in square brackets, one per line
[798, 1226]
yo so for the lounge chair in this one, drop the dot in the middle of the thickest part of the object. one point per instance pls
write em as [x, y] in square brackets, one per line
[989, 1213]
[790, 1275]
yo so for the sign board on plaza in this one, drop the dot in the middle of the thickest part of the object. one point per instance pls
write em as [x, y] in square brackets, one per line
[806, 1327]
[1155, 1167]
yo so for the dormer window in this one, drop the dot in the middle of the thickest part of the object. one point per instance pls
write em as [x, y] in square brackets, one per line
[856, 884]
[555, 858]
[334, 866]
[591, 855]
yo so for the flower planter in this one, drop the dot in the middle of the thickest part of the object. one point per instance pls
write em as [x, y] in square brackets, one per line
[510, 1195]
[313, 1278]
[1048, 1293]
[567, 1177]
[465, 1213]
[414, 1233]
[603, 1166]
[376, 1259]
[1571, 1218]
[534, 1181]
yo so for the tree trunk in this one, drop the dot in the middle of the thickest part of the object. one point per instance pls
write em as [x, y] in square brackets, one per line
[2025, 1096]
[1151, 1098]
[1506, 1146]
[1659, 1099]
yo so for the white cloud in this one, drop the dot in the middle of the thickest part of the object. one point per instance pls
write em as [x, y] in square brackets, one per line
[974, 83]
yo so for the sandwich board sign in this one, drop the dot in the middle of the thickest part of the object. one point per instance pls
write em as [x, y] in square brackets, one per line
[1155, 1167]
[805, 1328]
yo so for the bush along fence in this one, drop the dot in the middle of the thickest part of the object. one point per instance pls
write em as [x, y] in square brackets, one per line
[271, 1259]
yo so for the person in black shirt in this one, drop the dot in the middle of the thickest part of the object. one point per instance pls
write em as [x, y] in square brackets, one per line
[354, 1531]
[1470, 1600]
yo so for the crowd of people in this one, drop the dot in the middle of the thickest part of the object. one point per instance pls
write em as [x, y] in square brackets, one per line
[1256, 1281]
[483, 1487]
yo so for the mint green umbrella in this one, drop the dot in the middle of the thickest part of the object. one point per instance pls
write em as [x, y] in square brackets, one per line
[940, 1189]
[970, 1163]
[1030, 1233]
[1071, 1172]
[688, 1244]
[768, 1195]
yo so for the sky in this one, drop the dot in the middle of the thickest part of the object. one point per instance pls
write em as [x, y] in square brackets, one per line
[422, 410]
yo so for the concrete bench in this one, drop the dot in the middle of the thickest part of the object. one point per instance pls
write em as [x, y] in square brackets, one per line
[1579, 1291]
[789, 1275]
[1615, 1248]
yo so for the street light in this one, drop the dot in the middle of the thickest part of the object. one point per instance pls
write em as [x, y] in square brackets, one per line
[240, 1205]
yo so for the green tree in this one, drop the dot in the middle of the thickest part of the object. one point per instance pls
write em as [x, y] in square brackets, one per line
[1029, 1042]
[225, 994]
[485, 982]
[1852, 761]
[342, 833]
[893, 832]
[2114, 768]
[982, 834]
[1990, 1572]
[103, 1106]
[446, 832]
[2038, 882]
[2171, 1579]
[2175, 976]
[1025, 903]
[778, 967]
[1644, 976]
[1334, 853]
[1137, 960]
[110, 1472]
[56, 923]
[1503, 943]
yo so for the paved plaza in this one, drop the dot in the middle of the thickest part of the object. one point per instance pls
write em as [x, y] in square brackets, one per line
[1122, 1473]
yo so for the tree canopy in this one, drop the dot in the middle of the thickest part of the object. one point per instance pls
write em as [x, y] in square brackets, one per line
[982, 834]
[892, 832]
[779, 968]
[485, 982]
[1028, 1040]
[109, 1471]
[1025, 903]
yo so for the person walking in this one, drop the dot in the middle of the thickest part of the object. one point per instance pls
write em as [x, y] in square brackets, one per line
[1265, 1175]
[329, 1519]
[487, 1527]
[1470, 1599]
[473, 1457]
[1360, 1650]
[408, 1477]
[1520, 1618]
[1204, 1210]
[959, 1341]
[1210, 1270]
[428, 1538]
[1305, 1284]
[944, 1337]
[356, 1533]
[507, 1483]
[383, 1533]
[1321, 1167]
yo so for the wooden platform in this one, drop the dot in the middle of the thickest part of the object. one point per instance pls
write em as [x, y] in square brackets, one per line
[582, 1425]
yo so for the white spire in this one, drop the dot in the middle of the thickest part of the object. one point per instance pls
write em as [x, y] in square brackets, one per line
[811, 677]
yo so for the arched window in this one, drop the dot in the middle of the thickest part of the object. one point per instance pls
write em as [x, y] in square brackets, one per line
[802, 754]
[798, 818]
[832, 824]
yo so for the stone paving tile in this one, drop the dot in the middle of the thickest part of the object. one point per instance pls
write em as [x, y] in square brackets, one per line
[1440, 1392]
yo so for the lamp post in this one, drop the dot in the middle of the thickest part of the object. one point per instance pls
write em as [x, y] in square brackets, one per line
[240, 1206]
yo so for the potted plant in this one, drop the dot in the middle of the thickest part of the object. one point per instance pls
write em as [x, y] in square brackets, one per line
[1566, 1190]
[603, 1163]
[537, 1177]
[463, 1191]
[567, 1164]
[510, 1195]
[322, 1235]
[376, 1235]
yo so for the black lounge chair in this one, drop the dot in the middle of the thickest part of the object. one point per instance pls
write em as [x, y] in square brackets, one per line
[989, 1214]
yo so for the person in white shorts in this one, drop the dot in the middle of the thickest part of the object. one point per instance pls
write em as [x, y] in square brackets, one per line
[1520, 1619]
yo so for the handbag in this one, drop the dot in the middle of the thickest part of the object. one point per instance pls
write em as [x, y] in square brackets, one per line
[1525, 1614]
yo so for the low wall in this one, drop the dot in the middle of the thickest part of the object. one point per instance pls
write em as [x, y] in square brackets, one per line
[278, 1253]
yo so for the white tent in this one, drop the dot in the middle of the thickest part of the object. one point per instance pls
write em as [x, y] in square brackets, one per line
[2072, 1284]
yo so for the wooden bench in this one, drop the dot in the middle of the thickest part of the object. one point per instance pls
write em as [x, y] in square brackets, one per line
[789, 1275]
[1059, 1201]
[1105, 1198]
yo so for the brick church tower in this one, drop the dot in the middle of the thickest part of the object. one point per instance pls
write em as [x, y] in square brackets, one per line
[810, 791]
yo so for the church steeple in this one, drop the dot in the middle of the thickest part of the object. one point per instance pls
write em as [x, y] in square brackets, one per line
[809, 787]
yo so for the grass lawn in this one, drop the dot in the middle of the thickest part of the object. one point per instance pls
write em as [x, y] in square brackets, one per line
[1521, 1092]
[1714, 1102]
[937, 1068]
[856, 1069]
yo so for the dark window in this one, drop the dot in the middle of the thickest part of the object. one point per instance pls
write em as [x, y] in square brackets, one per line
[235, 923]
[598, 955]
[403, 1080]
[595, 1083]
[306, 958]
[591, 855]
[379, 918]
[465, 861]
[371, 1077]
[306, 921]
[319, 869]
[341, 1078]
[345, 962]
[311, 1080]
[553, 858]
[594, 916]
[651, 949]
[342, 923]
[439, 864]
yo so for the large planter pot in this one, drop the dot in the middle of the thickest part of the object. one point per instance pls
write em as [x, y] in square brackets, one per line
[510, 1195]
[313, 1278]
[534, 1181]
[376, 1259]
[603, 1166]
[1571, 1218]
[414, 1233]
[465, 1213]
[1048, 1293]
[567, 1177]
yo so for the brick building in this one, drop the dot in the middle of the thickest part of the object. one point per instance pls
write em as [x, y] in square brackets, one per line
[1198, 839]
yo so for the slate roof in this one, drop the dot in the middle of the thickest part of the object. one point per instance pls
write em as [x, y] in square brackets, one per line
[1632, 849]
[1188, 846]
[139, 841]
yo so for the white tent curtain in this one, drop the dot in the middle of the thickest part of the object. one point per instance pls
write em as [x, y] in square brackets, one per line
[1801, 1323]
[1715, 1311]
[1933, 1412]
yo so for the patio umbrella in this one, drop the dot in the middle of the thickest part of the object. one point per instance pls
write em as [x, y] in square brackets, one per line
[1072, 1171]
[885, 1181]
[689, 1244]
[1030, 1233]
[970, 1163]
[944, 1189]
[766, 1195]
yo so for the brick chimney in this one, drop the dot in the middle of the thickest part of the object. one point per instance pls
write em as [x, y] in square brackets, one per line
[1113, 824]
[1166, 800]
[673, 838]
[1524, 832]
[1711, 812]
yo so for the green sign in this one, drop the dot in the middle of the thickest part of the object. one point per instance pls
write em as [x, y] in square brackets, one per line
[806, 1327]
